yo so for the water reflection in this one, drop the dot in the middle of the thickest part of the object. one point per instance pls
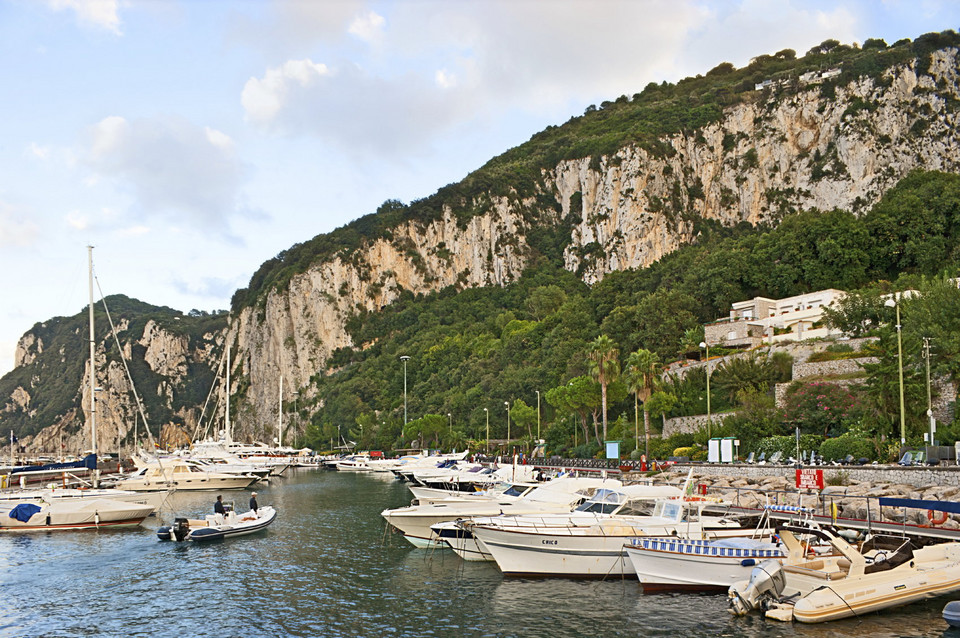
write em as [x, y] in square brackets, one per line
[326, 568]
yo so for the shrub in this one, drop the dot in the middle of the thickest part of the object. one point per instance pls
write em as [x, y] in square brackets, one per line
[787, 445]
[820, 407]
[848, 443]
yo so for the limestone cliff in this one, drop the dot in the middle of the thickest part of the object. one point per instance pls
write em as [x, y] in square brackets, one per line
[792, 145]
[768, 156]
[49, 391]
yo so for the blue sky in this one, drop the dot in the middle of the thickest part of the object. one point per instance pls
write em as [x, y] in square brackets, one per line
[189, 141]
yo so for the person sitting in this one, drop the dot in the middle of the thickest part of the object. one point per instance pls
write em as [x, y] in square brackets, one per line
[218, 506]
[253, 502]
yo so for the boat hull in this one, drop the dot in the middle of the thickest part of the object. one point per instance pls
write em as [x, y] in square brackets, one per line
[672, 564]
[73, 514]
[218, 527]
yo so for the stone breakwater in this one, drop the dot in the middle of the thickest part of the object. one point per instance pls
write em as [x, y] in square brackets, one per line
[855, 496]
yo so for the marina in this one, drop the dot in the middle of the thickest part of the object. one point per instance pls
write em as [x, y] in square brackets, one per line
[329, 566]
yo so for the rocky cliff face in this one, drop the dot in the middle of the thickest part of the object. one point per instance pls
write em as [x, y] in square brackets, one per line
[778, 152]
[765, 158]
[164, 361]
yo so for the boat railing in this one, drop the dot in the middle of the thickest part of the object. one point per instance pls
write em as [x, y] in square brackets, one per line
[880, 514]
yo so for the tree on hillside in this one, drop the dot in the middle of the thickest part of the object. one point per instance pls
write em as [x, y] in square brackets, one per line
[604, 367]
[640, 374]
[524, 416]
[580, 396]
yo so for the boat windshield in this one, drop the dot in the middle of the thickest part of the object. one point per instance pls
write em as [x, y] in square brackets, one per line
[515, 490]
[671, 510]
[604, 501]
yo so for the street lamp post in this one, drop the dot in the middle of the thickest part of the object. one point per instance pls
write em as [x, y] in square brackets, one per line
[450, 418]
[538, 415]
[933, 422]
[404, 358]
[507, 405]
[706, 346]
[488, 429]
[894, 302]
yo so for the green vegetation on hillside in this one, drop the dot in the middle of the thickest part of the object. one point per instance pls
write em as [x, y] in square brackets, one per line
[53, 379]
[480, 348]
[644, 120]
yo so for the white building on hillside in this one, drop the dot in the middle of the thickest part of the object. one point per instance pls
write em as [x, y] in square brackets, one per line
[761, 320]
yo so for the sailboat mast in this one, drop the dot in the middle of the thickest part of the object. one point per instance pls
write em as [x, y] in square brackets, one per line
[280, 415]
[93, 376]
[229, 434]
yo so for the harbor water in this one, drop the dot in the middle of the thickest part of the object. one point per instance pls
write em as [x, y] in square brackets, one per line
[329, 567]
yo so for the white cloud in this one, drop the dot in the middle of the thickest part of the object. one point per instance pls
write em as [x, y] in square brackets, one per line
[77, 220]
[445, 79]
[102, 14]
[37, 151]
[174, 170]
[368, 27]
[444, 65]
[15, 228]
[264, 98]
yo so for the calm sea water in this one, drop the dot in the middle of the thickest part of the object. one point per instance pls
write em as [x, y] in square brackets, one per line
[327, 567]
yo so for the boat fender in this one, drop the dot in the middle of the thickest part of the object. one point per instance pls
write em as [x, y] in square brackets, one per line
[748, 562]
[936, 518]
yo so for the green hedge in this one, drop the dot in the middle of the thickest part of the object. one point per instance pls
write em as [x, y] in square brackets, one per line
[838, 448]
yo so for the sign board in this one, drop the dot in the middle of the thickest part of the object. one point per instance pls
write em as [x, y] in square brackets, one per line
[809, 479]
[613, 449]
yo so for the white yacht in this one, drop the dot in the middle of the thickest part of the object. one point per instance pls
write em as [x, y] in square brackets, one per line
[589, 542]
[182, 475]
[559, 495]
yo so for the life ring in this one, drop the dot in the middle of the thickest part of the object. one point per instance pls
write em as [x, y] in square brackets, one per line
[936, 518]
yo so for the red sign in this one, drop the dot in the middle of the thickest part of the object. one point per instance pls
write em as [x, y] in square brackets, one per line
[375, 454]
[810, 479]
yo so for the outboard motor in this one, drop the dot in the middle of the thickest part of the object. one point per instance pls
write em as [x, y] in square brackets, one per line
[181, 527]
[766, 583]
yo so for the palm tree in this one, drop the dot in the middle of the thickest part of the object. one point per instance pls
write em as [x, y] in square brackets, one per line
[604, 367]
[642, 372]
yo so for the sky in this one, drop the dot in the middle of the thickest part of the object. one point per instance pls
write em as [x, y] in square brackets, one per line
[189, 141]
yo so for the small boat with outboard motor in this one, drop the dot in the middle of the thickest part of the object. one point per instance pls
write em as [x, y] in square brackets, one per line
[885, 571]
[218, 526]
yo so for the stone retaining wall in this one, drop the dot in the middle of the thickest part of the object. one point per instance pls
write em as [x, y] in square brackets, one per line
[826, 368]
[690, 424]
[917, 476]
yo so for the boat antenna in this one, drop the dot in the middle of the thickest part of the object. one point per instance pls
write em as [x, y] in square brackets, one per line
[93, 373]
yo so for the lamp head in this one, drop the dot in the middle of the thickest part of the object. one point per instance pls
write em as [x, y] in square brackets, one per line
[890, 303]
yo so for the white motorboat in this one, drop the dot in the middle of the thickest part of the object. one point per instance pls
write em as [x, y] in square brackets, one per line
[354, 463]
[219, 526]
[589, 542]
[884, 572]
[71, 514]
[559, 495]
[179, 474]
[424, 495]
[48, 494]
[687, 564]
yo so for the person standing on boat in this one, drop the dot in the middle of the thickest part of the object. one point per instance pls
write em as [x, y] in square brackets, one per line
[253, 502]
[218, 506]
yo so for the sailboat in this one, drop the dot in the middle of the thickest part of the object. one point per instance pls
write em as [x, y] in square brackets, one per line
[54, 508]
